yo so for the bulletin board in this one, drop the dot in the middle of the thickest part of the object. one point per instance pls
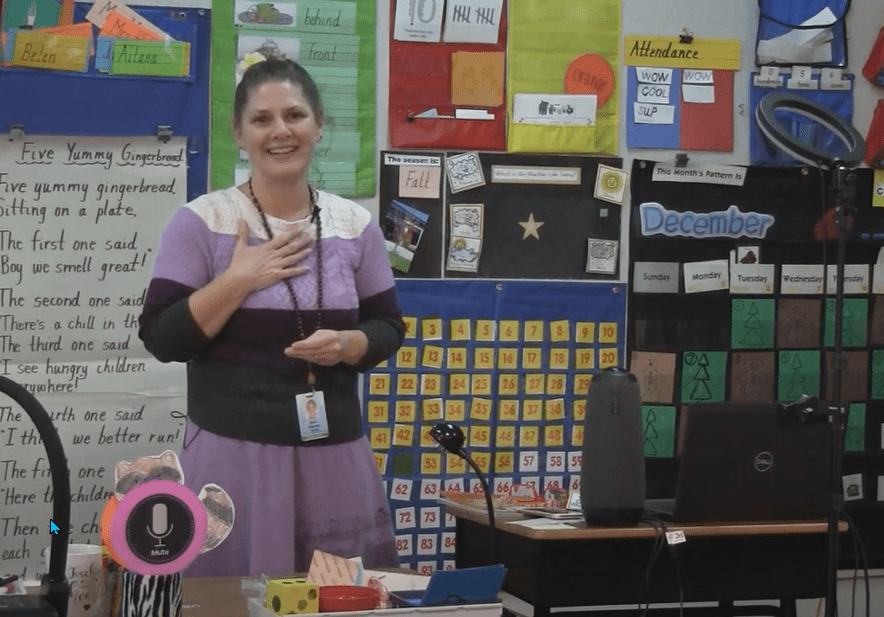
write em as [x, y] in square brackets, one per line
[762, 336]
[510, 362]
[447, 75]
[334, 40]
[536, 216]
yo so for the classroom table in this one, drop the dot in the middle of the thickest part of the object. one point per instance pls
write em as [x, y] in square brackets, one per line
[604, 566]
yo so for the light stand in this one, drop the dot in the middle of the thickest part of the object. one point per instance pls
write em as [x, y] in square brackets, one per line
[843, 193]
[452, 439]
[54, 588]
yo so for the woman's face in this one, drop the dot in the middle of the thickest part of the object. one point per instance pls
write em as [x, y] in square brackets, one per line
[279, 130]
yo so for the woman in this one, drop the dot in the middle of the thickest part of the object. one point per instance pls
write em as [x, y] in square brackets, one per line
[276, 294]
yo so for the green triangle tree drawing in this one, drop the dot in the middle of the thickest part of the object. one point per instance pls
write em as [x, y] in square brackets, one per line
[752, 337]
[796, 379]
[701, 378]
[650, 434]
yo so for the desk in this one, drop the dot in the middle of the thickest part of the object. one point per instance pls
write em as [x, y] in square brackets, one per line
[597, 566]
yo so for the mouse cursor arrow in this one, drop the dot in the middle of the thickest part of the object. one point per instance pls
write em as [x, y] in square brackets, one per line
[53, 528]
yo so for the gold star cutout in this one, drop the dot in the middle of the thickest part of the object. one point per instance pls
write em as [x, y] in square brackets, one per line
[531, 227]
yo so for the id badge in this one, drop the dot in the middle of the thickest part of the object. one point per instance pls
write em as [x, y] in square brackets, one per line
[311, 415]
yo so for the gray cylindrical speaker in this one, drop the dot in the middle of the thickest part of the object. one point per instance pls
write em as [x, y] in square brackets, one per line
[612, 477]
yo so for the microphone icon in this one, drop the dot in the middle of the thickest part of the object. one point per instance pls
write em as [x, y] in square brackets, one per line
[159, 526]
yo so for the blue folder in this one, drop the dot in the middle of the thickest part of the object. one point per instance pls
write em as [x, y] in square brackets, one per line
[465, 586]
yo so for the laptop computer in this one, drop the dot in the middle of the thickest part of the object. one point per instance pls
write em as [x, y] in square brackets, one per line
[749, 462]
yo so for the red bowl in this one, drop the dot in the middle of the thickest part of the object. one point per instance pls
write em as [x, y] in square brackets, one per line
[334, 598]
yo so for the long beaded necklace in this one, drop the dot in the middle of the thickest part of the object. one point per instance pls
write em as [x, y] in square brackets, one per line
[314, 218]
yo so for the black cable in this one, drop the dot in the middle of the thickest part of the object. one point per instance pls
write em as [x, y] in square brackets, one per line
[861, 552]
[673, 551]
[645, 589]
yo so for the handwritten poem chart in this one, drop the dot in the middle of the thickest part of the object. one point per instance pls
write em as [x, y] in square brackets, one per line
[80, 220]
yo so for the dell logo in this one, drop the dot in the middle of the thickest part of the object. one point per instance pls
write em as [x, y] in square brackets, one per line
[764, 461]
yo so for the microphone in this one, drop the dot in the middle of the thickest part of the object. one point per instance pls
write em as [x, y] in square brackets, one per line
[159, 526]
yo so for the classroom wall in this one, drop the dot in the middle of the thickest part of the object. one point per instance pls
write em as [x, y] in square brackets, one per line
[704, 19]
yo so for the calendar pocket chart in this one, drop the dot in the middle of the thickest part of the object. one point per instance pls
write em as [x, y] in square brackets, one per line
[510, 362]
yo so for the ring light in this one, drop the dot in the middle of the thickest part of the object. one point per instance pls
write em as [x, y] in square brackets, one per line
[765, 114]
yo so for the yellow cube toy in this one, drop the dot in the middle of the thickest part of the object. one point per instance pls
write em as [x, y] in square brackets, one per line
[291, 596]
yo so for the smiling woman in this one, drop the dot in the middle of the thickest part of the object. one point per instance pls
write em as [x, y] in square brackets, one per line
[276, 294]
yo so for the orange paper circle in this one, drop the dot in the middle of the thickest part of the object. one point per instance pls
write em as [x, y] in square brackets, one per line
[105, 525]
[590, 74]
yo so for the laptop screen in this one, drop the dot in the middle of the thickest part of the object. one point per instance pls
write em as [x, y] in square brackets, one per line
[749, 462]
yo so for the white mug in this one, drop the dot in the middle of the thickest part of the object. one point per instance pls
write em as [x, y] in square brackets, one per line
[87, 578]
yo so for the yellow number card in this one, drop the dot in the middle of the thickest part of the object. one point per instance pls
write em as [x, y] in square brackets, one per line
[509, 330]
[378, 411]
[433, 356]
[406, 384]
[484, 358]
[558, 358]
[577, 435]
[579, 410]
[585, 332]
[482, 384]
[380, 459]
[460, 330]
[455, 410]
[534, 383]
[456, 465]
[379, 438]
[426, 440]
[581, 384]
[459, 384]
[555, 409]
[534, 331]
[431, 329]
[506, 437]
[585, 359]
[406, 357]
[508, 411]
[480, 409]
[457, 358]
[431, 384]
[608, 357]
[508, 358]
[553, 436]
[406, 411]
[379, 384]
[485, 330]
[482, 461]
[559, 331]
[529, 436]
[533, 410]
[504, 462]
[607, 332]
[555, 383]
[480, 436]
[532, 358]
[403, 435]
[410, 327]
[431, 463]
[431, 409]
[508, 384]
